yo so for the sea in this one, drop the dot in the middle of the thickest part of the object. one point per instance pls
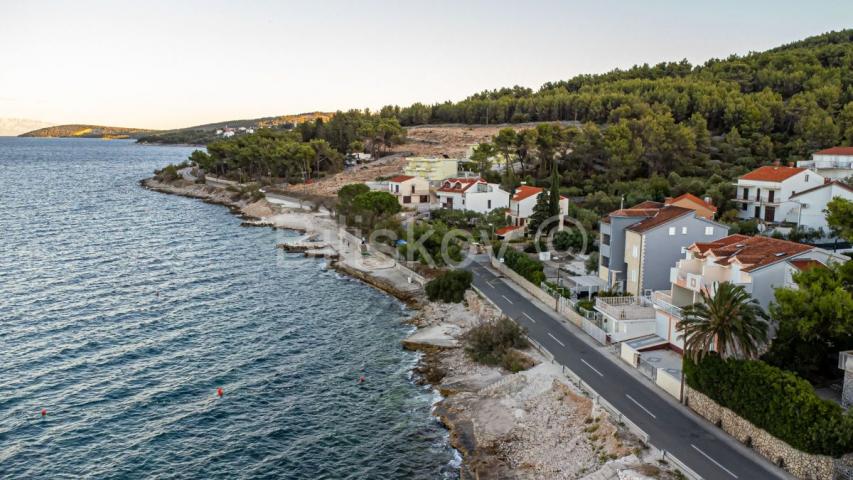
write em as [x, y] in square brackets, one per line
[123, 312]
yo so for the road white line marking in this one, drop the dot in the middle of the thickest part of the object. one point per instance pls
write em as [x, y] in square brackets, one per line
[593, 368]
[490, 284]
[529, 317]
[555, 339]
[508, 300]
[715, 462]
[638, 404]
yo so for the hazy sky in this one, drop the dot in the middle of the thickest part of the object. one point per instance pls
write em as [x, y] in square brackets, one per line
[166, 64]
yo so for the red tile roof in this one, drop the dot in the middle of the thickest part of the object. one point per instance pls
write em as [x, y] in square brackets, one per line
[400, 178]
[826, 184]
[836, 151]
[505, 230]
[647, 204]
[449, 185]
[752, 252]
[806, 264]
[692, 198]
[664, 215]
[770, 173]
[526, 191]
[642, 209]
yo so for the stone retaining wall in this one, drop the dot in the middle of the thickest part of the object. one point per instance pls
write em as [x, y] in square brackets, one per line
[800, 464]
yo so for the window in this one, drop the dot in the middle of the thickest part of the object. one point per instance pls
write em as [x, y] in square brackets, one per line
[671, 231]
[605, 239]
[757, 194]
[807, 178]
[634, 275]
[709, 231]
[635, 251]
[605, 261]
[413, 189]
[396, 189]
[684, 230]
[489, 204]
[744, 206]
[745, 193]
[424, 198]
[407, 199]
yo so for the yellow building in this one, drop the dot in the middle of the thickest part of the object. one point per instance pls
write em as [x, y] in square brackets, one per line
[432, 168]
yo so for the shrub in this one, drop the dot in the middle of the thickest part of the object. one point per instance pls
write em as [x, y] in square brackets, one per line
[490, 342]
[530, 269]
[515, 361]
[775, 400]
[168, 174]
[450, 286]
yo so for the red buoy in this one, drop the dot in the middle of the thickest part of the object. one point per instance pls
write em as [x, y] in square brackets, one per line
[43, 412]
[219, 391]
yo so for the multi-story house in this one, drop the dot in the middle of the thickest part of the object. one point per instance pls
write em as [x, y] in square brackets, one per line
[521, 208]
[411, 192]
[835, 163]
[638, 245]
[473, 194]
[765, 193]
[759, 264]
[431, 168]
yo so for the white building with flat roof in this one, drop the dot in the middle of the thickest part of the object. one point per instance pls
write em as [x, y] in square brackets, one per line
[835, 163]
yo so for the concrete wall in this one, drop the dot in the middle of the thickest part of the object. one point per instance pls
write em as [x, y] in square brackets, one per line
[669, 383]
[800, 464]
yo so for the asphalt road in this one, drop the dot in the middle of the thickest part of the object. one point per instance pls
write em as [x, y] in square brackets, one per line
[669, 428]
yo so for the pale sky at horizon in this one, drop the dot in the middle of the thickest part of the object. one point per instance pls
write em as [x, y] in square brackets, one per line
[174, 64]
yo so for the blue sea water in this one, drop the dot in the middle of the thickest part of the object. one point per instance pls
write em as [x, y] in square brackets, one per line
[123, 310]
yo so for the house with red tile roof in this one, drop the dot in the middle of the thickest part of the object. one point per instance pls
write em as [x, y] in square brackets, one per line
[412, 192]
[638, 245]
[704, 207]
[759, 264]
[765, 193]
[834, 163]
[473, 194]
[524, 199]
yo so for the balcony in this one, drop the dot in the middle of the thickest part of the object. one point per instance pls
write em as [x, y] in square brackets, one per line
[662, 300]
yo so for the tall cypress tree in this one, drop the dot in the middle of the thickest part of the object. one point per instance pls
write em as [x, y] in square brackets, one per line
[554, 201]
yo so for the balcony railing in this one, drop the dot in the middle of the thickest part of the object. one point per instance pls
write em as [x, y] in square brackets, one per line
[663, 301]
[626, 308]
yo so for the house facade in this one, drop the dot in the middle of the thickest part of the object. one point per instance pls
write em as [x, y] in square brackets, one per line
[411, 192]
[811, 204]
[638, 245]
[473, 194]
[765, 193]
[759, 264]
[431, 168]
[522, 202]
[834, 163]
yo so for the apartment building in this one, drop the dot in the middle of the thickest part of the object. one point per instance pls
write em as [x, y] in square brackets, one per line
[638, 245]
[811, 204]
[834, 163]
[431, 168]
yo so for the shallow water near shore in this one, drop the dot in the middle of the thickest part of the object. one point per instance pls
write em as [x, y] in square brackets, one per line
[123, 310]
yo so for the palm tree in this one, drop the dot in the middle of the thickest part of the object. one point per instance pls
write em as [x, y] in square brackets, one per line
[729, 320]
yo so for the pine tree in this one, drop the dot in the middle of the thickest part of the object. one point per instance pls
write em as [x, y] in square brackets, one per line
[554, 200]
[541, 212]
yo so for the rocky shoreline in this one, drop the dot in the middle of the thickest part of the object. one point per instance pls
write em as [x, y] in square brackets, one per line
[532, 424]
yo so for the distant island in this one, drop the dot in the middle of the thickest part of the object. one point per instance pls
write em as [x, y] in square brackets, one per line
[204, 134]
[88, 131]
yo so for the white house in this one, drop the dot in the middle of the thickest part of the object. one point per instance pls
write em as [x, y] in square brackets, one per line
[471, 194]
[835, 163]
[811, 204]
[411, 192]
[521, 208]
[765, 193]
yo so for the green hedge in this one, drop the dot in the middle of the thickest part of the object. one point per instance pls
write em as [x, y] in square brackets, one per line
[450, 286]
[775, 400]
[520, 263]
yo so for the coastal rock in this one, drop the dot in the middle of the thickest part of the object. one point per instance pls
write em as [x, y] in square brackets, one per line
[434, 338]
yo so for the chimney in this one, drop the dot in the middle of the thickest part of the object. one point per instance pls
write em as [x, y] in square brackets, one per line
[708, 200]
[777, 162]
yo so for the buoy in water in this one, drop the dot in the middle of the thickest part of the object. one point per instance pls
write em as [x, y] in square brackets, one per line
[219, 391]
[43, 412]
